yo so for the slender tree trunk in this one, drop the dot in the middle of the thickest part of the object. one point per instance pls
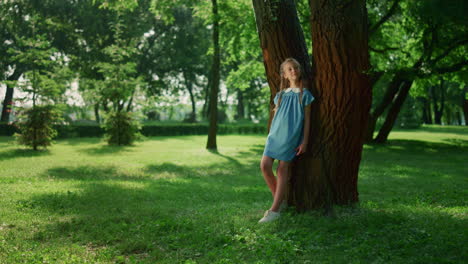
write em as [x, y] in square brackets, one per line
[281, 37]
[426, 111]
[390, 92]
[189, 86]
[465, 105]
[205, 112]
[240, 105]
[393, 112]
[438, 101]
[211, 142]
[96, 113]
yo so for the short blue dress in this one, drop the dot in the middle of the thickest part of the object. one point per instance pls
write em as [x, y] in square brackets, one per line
[287, 127]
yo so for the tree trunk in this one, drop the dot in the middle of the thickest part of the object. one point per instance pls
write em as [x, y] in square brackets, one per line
[281, 37]
[96, 113]
[426, 111]
[189, 86]
[8, 101]
[205, 112]
[7, 104]
[387, 99]
[341, 58]
[393, 112]
[438, 101]
[211, 142]
[240, 105]
[465, 105]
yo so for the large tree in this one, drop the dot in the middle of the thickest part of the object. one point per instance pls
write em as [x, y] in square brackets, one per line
[326, 174]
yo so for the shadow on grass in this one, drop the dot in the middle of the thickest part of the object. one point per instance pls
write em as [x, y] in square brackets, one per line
[23, 153]
[181, 212]
[87, 173]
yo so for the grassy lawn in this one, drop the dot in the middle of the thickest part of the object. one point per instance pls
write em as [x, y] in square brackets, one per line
[168, 200]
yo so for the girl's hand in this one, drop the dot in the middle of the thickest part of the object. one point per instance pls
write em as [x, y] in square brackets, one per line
[301, 149]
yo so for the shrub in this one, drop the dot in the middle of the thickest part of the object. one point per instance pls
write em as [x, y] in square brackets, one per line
[121, 128]
[36, 126]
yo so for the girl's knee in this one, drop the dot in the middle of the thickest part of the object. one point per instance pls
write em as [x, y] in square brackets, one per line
[266, 166]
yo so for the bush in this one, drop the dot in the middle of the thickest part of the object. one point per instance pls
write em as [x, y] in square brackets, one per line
[121, 128]
[36, 126]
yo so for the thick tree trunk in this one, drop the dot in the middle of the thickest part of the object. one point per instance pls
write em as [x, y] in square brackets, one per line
[211, 142]
[393, 113]
[8, 101]
[281, 37]
[328, 173]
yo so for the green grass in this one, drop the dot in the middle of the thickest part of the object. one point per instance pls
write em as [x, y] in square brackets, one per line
[168, 200]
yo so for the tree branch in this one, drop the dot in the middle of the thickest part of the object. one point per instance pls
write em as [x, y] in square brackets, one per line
[455, 45]
[390, 13]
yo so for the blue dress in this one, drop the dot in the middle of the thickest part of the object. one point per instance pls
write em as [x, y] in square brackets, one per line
[287, 127]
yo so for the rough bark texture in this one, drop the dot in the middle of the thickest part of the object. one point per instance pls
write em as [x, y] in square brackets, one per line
[213, 107]
[341, 58]
[281, 37]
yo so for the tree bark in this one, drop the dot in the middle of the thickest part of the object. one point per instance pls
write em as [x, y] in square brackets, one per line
[281, 37]
[211, 142]
[393, 112]
[341, 58]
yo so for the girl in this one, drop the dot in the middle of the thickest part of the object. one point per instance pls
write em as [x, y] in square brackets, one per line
[288, 135]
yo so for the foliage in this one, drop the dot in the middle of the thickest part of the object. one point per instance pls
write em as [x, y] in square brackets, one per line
[36, 126]
[121, 128]
[48, 74]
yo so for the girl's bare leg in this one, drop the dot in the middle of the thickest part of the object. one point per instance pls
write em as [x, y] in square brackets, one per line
[283, 169]
[266, 165]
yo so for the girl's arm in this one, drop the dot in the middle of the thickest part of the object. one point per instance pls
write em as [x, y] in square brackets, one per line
[303, 147]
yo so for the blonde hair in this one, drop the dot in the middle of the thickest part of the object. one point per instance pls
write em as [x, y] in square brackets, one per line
[284, 83]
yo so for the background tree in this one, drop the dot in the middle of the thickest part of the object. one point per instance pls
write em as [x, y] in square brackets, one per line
[212, 130]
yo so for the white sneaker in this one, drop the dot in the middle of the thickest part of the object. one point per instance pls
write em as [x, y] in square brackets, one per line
[269, 216]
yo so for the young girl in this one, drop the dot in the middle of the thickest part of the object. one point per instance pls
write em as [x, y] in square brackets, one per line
[288, 135]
